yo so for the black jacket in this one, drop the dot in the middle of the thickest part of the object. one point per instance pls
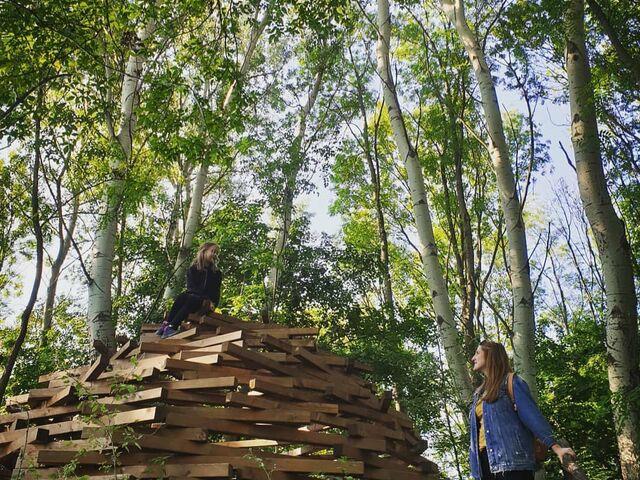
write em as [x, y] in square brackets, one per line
[204, 283]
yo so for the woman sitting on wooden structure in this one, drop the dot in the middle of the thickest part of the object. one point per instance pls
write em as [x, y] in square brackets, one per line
[203, 289]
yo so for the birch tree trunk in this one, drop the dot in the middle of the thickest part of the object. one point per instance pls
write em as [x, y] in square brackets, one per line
[296, 162]
[523, 314]
[194, 217]
[65, 233]
[613, 246]
[99, 313]
[430, 264]
[469, 278]
[374, 171]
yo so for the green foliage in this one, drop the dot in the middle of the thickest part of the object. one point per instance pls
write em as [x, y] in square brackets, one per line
[574, 393]
[65, 346]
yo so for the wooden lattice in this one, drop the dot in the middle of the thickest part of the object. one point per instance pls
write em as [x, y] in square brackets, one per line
[223, 399]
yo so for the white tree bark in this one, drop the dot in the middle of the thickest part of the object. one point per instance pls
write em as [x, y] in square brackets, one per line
[613, 246]
[99, 303]
[523, 313]
[430, 264]
[194, 217]
[295, 164]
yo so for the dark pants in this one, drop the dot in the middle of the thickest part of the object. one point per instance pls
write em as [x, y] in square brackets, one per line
[512, 475]
[185, 304]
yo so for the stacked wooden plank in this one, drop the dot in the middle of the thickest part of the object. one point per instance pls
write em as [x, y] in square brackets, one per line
[223, 399]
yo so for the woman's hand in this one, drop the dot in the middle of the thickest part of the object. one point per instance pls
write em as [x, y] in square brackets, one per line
[562, 451]
[207, 305]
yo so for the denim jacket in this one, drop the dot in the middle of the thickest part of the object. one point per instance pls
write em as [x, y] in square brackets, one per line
[509, 433]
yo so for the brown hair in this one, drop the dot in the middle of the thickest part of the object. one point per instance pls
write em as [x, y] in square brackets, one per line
[207, 256]
[497, 367]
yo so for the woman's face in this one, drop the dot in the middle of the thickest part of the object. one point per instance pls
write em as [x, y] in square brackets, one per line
[479, 360]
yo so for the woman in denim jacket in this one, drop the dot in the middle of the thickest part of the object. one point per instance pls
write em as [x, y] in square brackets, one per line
[502, 436]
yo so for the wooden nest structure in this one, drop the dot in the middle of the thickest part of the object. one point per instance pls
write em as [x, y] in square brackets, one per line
[224, 399]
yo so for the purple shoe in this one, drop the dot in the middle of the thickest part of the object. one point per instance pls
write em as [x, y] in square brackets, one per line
[162, 328]
[169, 331]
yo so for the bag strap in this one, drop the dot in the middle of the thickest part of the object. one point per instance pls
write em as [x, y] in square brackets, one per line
[510, 376]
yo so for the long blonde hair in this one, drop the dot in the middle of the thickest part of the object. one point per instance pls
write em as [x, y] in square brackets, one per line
[497, 367]
[207, 256]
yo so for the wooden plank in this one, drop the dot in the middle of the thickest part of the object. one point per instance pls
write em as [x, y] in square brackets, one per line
[334, 391]
[315, 361]
[187, 397]
[201, 384]
[287, 332]
[218, 339]
[97, 367]
[192, 332]
[128, 365]
[55, 473]
[202, 470]
[387, 398]
[367, 413]
[243, 375]
[307, 342]
[304, 450]
[258, 442]
[279, 357]
[222, 326]
[10, 436]
[298, 417]
[184, 433]
[239, 323]
[161, 347]
[198, 356]
[62, 428]
[124, 350]
[269, 432]
[259, 360]
[70, 373]
[151, 394]
[252, 473]
[31, 435]
[348, 384]
[252, 401]
[367, 430]
[329, 408]
[126, 375]
[149, 414]
[39, 413]
[279, 344]
[386, 474]
[173, 364]
[62, 457]
[271, 388]
[39, 394]
[293, 465]
[63, 396]
[149, 327]
[142, 415]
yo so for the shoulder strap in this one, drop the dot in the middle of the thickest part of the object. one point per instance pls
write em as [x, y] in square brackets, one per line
[510, 376]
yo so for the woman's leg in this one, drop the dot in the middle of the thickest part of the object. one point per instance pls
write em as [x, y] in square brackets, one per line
[188, 304]
[178, 303]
